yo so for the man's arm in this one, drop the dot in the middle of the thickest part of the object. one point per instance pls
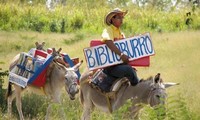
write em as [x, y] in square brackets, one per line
[113, 48]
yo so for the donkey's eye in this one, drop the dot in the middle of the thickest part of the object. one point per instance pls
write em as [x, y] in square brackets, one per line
[158, 96]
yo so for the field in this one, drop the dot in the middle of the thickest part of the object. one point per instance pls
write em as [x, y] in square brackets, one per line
[177, 59]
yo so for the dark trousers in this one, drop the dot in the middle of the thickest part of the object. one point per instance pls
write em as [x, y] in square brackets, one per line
[118, 71]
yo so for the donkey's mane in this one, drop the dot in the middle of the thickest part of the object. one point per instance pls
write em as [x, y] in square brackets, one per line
[147, 80]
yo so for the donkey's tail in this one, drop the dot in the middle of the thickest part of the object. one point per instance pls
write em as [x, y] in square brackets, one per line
[9, 90]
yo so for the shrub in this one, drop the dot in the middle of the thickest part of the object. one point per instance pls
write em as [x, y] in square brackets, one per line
[34, 106]
[53, 27]
[3, 102]
[62, 26]
[77, 21]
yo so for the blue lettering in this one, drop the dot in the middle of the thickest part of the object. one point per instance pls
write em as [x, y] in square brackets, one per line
[129, 47]
[142, 45]
[102, 55]
[149, 41]
[89, 57]
[109, 58]
[135, 47]
[124, 48]
[134, 44]
[97, 56]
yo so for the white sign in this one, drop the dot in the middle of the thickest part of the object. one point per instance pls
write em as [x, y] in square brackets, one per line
[135, 47]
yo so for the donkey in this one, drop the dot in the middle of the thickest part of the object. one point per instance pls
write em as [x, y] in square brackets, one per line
[58, 77]
[151, 91]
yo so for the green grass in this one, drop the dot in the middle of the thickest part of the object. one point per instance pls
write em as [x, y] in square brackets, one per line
[176, 58]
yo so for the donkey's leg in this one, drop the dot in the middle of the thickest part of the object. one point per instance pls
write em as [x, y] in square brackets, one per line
[134, 110]
[55, 99]
[48, 111]
[61, 109]
[58, 101]
[87, 110]
[62, 112]
[18, 91]
[9, 102]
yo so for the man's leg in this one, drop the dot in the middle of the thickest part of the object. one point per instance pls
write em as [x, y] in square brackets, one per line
[120, 71]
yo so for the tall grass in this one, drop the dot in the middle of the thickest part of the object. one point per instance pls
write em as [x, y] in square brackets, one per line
[82, 16]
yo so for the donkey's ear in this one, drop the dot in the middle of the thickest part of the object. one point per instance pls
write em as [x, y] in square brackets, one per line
[43, 43]
[76, 67]
[59, 50]
[36, 43]
[157, 78]
[53, 51]
[169, 84]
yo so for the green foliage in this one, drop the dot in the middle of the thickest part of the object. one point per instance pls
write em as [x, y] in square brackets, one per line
[123, 113]
[76, 16]
[177, 109]
[3, 102]
[62, 26]
[53, 27]
[77, 21]
[34, 106]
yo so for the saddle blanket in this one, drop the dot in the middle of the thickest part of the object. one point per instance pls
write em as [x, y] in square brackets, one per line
[31, 69]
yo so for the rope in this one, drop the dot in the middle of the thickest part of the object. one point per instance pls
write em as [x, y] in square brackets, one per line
[108, 103]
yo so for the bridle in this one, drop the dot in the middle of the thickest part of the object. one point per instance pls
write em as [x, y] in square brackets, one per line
[152, 92]
[69, 85]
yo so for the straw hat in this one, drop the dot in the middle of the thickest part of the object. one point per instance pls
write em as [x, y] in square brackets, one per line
[113, 13]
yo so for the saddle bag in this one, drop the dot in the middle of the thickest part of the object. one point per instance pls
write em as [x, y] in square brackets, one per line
[98, 77]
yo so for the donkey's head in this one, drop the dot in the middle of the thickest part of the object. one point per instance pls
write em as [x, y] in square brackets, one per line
[58, 57]
[157, 94]
[70, 76]
[71, 79]
[40, 46]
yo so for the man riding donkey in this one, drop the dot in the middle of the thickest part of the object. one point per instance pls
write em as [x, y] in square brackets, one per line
[111, 97]
[111, 33]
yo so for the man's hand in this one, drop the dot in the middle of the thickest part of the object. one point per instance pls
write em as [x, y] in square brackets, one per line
[124, 58]
[113, 48]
